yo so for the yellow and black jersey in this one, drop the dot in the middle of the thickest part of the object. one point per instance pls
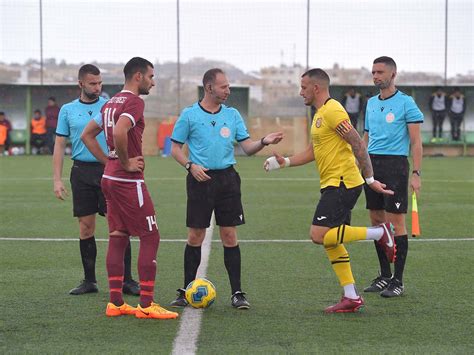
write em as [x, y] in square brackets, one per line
[334, 157]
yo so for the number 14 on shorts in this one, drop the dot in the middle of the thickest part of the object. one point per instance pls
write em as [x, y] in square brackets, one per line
[151, 221]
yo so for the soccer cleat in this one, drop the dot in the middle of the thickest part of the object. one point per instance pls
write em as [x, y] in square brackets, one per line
[387, 242]
[84, 287]
[239, 301]
[180, 301]
[155, 311]
[346, 305]
[378, 284]
[131, 287]
[115, 311]
[395, 288]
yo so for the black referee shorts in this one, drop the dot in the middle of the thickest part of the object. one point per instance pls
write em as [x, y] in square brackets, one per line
[87, 197]
[392, 170]
[220, 194]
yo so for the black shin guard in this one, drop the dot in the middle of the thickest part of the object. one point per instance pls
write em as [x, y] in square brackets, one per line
[232, 264]
[401, 242]
[88, 256]
[192, 259]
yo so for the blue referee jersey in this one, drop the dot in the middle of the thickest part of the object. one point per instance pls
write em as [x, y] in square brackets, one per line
[210, 136]
[73, 118]
[386, 122]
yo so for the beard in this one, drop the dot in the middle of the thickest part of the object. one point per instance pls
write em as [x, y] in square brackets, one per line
[383, 85]
[90, 96]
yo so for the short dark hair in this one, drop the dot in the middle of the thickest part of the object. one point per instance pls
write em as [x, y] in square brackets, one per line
[210, 76]
[318, 74]
[387, 61]
[88, 69]
[456, 88]
[37, 111]
[134, 65]
[52, 98]
[2, 113]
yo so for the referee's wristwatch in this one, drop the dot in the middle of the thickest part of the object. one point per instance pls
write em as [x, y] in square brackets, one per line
[416, 172]
[188, 165]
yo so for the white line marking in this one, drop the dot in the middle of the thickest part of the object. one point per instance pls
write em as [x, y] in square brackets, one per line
[190, 320]
[288, 179]
[418, 239]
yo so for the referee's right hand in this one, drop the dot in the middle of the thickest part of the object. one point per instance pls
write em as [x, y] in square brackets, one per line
[199, 173]
[59, 190]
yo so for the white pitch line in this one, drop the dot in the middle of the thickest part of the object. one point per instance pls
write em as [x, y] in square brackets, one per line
[190, 320]
[285, 179]
[418, 239]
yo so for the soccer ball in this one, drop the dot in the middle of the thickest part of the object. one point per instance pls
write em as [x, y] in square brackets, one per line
[200, 293]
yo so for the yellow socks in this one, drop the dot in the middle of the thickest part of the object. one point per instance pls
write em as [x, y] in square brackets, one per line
[339, 258]
[344, 234]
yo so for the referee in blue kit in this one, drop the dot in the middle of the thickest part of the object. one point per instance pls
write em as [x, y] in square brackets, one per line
[209, 128]
[86, 174]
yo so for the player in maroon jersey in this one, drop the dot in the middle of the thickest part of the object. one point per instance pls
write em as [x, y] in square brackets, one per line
[130, 209]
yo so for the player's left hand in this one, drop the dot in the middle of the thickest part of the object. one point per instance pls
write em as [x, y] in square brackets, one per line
[273, 138]
[415, 184]
[379, 187]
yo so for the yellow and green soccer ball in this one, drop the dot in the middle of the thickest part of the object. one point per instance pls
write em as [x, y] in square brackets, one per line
[200, 293]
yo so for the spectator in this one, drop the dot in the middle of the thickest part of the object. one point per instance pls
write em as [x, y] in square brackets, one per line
[352, 102]
[457, 107]
[38, 132]
[5, 128]
[52, 112]
[438, 105]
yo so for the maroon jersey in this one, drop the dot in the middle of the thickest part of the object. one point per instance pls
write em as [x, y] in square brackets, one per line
[127, 104]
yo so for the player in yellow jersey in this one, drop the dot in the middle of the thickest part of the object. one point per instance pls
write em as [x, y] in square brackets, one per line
[336, 146]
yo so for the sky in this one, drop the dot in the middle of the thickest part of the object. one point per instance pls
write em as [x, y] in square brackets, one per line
[249, 34]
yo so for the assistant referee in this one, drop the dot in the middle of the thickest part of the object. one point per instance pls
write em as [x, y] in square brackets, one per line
[86, 174]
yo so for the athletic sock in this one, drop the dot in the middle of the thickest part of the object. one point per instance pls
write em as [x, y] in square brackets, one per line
[232, 261]
[147, 267]
[385, 270]
[350, 292]
[339, 258]
[192, 259]
[88, 256]
[375, 233]
[127, 260]
[344, 234]
[401, 241]
[114, 263]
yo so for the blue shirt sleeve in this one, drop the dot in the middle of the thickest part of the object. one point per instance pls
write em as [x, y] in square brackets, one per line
[62, 129]
[98, 119]
[181, 129]
[366, 121]
[241, 132]
[413, 113]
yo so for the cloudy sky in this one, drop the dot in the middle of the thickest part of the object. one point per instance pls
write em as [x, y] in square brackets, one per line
[247, 33]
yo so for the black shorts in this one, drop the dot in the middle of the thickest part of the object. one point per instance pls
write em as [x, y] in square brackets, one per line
[335, 205]
[87, 197]
[220, 194]
[392, 170]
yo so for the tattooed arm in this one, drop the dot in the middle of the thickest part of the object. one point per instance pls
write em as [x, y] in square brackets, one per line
[350, 135]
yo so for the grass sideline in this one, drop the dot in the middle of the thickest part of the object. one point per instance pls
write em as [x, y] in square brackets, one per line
[288, 284]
